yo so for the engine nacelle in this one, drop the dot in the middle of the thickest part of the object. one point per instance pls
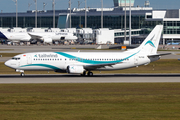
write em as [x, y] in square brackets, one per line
[47, 40]
[75, 69]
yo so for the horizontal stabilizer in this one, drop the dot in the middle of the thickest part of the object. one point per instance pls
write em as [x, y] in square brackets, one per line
[155, 55]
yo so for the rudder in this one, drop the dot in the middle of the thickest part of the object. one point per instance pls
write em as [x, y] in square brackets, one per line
[151, 43]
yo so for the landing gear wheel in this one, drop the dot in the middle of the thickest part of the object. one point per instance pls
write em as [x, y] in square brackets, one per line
[84, 73]
[90, 74]
[22, 74]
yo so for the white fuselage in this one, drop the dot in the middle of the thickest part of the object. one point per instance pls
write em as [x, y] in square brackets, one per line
[45, 36]
[55, 36]
[58, 61]
[17, 36]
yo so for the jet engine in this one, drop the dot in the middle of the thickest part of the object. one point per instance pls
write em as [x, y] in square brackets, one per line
[75, 69]
[47, 40]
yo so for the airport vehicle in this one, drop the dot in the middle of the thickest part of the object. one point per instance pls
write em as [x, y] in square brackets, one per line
[86, 62]
[15, 36]
[48, 37]
[173, 42]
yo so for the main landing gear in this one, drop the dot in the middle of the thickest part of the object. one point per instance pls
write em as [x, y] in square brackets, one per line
[89, 73]
[22, 74]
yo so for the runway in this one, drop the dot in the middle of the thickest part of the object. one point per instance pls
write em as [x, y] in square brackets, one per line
[110, 78]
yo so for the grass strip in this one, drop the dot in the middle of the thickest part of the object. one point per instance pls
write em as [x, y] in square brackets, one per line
[6, 49]
[137, 101]
[9, 54]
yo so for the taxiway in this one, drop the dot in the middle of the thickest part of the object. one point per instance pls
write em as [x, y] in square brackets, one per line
[106, 78]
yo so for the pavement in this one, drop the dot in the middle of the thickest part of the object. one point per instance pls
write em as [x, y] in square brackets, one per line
[99, 78]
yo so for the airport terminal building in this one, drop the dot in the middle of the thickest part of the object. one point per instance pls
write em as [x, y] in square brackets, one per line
[144, 19]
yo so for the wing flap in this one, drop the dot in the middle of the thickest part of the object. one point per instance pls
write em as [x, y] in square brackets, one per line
[91, 67]
[34, 36]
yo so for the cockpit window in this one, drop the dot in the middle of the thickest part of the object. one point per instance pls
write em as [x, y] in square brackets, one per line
[14, 58]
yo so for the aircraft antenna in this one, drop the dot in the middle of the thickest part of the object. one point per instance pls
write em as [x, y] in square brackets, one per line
[29, 5]
[44, 5]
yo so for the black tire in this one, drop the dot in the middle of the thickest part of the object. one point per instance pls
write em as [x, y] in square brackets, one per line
[90, 73]
[22, 74]
[84, 73]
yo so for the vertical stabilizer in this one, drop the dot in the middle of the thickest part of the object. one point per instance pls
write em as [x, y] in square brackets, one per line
[151, 43]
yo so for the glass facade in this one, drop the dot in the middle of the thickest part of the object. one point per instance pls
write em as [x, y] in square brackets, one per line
[171, 27]
[27, 21]
[123, 3]
[113, 22]
[62, 21]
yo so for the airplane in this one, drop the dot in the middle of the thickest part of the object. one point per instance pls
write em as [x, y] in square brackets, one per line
[48, 37]
[85, 62]
[15, 36]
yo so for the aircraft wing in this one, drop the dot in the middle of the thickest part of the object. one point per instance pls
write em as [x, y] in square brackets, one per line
[92, 67]
[35, 36]
[155, 55]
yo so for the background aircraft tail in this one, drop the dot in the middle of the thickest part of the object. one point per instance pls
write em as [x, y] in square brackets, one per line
[151, 43]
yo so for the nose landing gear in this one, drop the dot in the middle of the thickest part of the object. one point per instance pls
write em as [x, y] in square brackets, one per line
[22, 72]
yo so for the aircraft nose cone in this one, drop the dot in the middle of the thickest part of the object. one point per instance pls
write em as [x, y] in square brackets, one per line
[7, 63]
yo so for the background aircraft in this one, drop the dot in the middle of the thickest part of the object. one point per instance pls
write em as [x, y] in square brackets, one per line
[48, 37]
[15, 36]
[45, 37]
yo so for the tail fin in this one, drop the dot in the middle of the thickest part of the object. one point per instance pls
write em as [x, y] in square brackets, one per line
[150, 44]
[2, 36]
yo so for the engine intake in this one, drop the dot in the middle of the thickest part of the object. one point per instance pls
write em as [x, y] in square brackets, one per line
[75, 69]
[47, 40]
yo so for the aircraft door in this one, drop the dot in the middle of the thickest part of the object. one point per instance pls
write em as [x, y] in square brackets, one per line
[23, 60]
[29, 60]
[135, 60]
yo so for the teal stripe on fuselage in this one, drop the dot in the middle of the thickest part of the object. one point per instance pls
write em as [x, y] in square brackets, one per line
[84, 60]
[42, 65]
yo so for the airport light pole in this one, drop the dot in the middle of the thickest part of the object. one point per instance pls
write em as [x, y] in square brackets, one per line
[85, 14]
[70, 14]
[53, 13]
[125, 23]
[79, 3]
[101, 13]
[130, 22]
[36, 14]
[16, 12]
